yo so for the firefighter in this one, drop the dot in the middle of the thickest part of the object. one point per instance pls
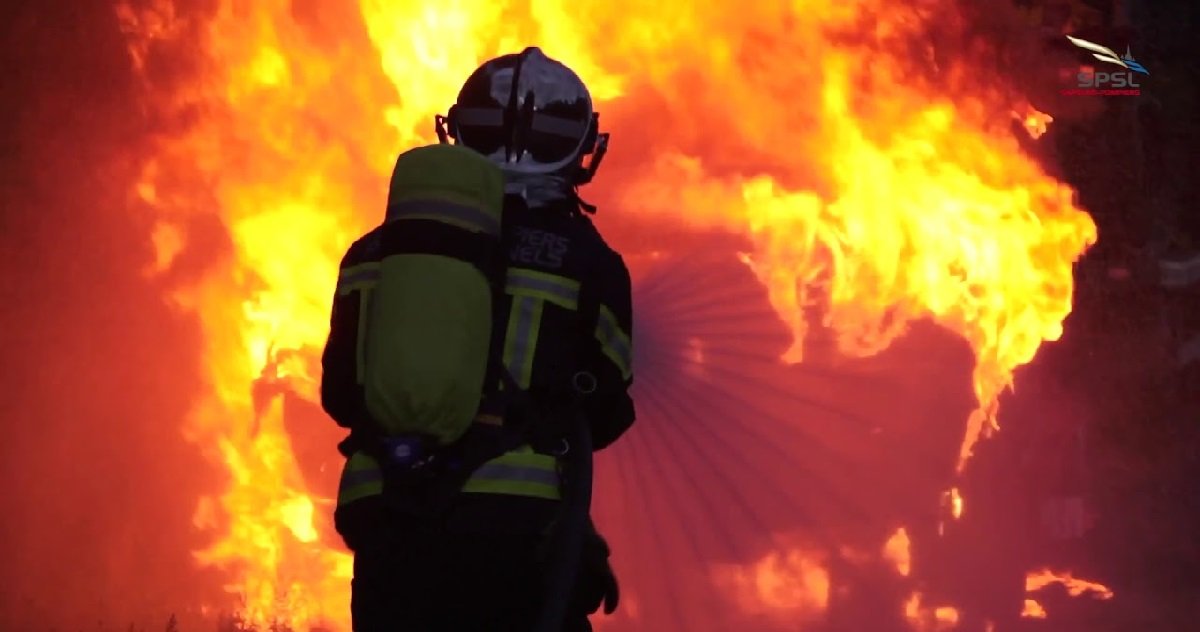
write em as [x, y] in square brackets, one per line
[479, 562]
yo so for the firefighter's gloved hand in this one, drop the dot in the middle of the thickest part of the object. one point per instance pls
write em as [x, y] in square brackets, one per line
[602, 588]
[597, 582]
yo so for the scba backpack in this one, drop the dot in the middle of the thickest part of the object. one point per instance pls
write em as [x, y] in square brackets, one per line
[426, 332]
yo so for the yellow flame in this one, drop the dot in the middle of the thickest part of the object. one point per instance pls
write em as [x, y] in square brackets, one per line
[896, 199]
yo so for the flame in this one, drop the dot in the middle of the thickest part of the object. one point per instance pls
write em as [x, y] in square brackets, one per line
[952, 504]
[791, 583]
[955, 502]
[1033, 610]
[1040, 579]
[896, 551]
[1035, 122]
[877, 187]
[922, 618]
[932, 210]
[263, 305]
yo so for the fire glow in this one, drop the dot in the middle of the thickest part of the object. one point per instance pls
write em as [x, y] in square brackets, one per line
[898, 196]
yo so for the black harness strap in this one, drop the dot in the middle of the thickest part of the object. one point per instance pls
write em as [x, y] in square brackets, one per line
[432, 237]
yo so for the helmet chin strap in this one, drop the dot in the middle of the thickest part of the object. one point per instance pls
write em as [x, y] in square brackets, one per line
[587, 173]
[584, 206]
[439, 127]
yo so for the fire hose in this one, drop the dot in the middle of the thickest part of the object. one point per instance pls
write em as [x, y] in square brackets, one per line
[566, 544]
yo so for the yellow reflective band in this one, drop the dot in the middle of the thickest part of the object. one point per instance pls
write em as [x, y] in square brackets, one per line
[359, 277]
[559, 290]
[361, 478]
[531, 290]
[524, 456]
[512, 488]
[520, 341]
[517, 473]
[614, 342]
[464, 213]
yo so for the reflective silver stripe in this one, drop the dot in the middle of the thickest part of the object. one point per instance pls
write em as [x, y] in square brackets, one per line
[515, 474]
[371, 274]
[561, 291]
[453, 212]
[615, 342]
[355, 277]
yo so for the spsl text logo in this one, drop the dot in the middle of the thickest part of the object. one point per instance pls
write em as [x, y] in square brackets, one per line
[1114, 83]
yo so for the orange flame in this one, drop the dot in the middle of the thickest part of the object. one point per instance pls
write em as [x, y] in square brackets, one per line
[952, 504]
[894, 198]
[941, 217]
[1033, 610]
[790, 583]
[1037, 580]
[1035, 122]
[955, 503]
[896, 551]
[922, 618]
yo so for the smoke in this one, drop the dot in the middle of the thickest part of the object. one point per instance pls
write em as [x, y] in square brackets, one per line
[99, 485]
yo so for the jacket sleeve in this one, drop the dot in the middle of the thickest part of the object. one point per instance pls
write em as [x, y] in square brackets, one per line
[341, 392]
[610, 409]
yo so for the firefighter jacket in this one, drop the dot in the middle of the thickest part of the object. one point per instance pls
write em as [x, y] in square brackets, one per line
[566, 307]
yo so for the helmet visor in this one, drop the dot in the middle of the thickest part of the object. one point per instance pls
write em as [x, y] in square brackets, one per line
[549, 139]
[554, 139]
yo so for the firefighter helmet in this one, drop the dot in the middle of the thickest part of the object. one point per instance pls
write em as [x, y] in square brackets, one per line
[531, 115]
